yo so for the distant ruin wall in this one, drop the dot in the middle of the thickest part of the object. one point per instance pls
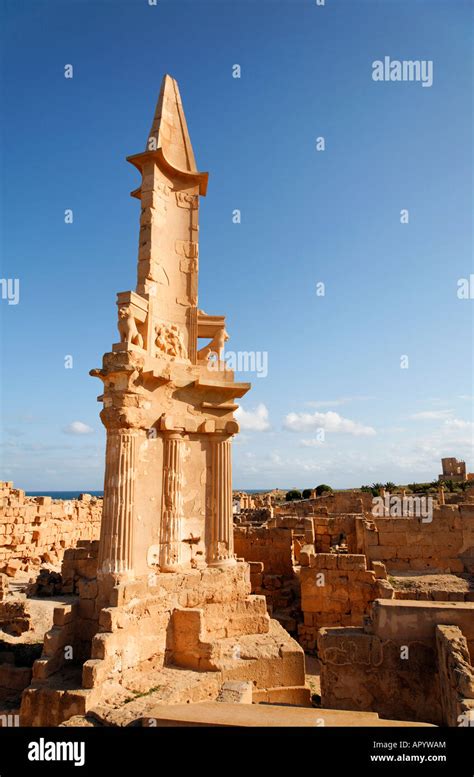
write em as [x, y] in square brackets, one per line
[338, 502]
[39, 529]
[272, 547]
[445, 544]
[253, 515]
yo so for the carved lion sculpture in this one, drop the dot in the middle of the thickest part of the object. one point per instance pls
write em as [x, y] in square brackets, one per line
[127, 327]
[216, 346]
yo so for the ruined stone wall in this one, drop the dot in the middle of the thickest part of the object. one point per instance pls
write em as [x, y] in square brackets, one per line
[272, 547]
[14, 618]
[253, 515]
[446, 544]
[339, 502]
[338, 591]
[39, 529]
[79, 576]
[79, 564]
[282, 594]
[391, 665]
[16, 658]
[359, 671]
[345, 502]
[331, 530]
[303, 507]
[13, 680]
[456, 677]
[294, 522]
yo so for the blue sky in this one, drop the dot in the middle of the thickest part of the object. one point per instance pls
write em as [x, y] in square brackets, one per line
[307, 216]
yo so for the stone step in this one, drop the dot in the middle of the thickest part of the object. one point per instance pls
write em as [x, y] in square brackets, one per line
[248, 616]
[260, 715]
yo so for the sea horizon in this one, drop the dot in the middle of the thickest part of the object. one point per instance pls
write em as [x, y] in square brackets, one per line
[67, 495]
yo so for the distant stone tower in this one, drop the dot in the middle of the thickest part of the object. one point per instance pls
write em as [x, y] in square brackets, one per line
[168, 408]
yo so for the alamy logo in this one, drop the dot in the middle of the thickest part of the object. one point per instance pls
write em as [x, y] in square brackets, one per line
[240, 361]
[43, 750]
[466, 718]
[10, 290]
[403, 507]
[9, 720]
[403, 70]
[466, 287]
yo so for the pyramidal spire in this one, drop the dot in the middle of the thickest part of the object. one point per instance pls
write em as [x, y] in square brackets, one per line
[169, 130]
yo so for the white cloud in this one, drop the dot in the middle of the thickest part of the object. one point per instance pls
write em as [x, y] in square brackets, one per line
[313, 442]
[77, 427]
[253, 420]
[330, 422]
[431, 415]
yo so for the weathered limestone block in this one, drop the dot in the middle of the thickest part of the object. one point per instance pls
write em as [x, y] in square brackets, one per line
[235, 692]
[379, 569]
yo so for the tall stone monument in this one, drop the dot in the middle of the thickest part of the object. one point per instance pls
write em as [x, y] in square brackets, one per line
[167, 590]
[167, 405]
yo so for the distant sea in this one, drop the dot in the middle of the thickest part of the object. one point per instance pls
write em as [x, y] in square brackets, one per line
[64, 494]
[76, 494]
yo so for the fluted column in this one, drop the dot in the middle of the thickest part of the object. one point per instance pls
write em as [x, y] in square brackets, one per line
[116, 533]
[171, 514]
[221, 546]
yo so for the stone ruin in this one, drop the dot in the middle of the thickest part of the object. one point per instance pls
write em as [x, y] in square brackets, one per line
[163, 589]
[385, 603]
[174, 600]
[355, 589]
[455, 470]
[36, 530]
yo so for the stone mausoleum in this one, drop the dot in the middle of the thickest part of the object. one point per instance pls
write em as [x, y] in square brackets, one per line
[162, 588]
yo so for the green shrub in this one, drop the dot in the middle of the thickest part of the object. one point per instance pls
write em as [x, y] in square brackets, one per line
[292, 495]
[321, 489]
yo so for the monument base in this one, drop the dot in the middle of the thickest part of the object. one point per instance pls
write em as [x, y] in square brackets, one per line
[204, 620]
